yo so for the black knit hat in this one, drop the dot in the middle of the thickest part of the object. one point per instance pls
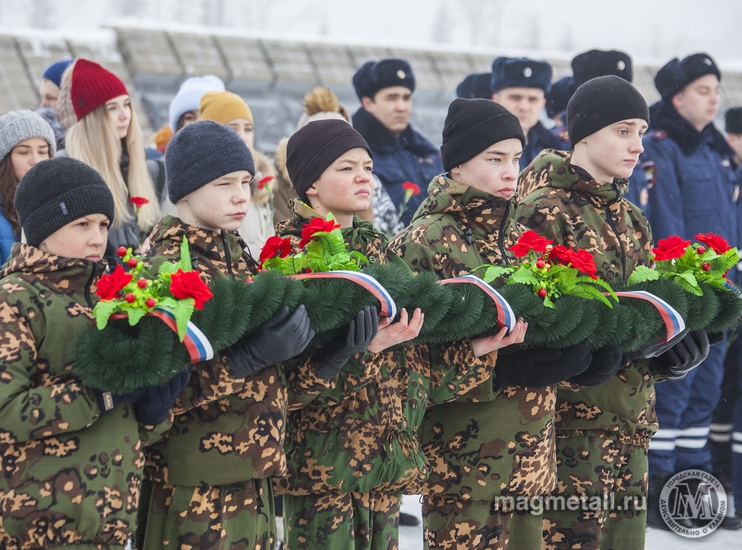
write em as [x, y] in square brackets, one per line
[472, 125]
[200, 153]
[558, 96]
[595, 63]
[56, 192]
[509, 72]
[377, 75]
[601, 102]
[477, 85]
[676, 75]
[314, 147]
[733, 121]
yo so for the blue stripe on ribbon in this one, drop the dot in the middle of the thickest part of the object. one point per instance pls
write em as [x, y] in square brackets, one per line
[674, 323]
[198, 345]
[505, 315]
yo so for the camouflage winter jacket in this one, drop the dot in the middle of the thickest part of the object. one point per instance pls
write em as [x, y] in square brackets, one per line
[70, 475]
[575, 210]
[227, 429]
[490, 443]
[361, 435]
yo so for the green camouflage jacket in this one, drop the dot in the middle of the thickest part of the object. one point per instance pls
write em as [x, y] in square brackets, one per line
[490, 443]
[70, 476]
[361, 435]
[573, 209]
[227, 429]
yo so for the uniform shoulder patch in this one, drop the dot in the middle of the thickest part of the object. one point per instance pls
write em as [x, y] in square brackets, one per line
[658, 135]
[650, 174]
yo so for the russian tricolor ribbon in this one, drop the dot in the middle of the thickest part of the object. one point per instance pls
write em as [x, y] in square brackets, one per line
[388, 307]
[195, 341]
[674, 323]
[505, 315]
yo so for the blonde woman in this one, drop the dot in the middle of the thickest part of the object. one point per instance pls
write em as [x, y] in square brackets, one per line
[107, 136]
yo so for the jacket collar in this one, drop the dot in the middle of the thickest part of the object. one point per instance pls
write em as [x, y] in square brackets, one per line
[208, 244]
[382, 140]
[25, 258]
[682, 132]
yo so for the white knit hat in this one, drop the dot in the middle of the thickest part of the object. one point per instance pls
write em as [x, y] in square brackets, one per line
[189, 96]
[18, 126]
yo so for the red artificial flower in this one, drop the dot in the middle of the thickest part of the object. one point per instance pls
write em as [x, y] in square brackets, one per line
[138, 201]
[187, 284]
[410, 187]
[670, 248]
[716, 242]
[584, 262]
[559, 254]
[530, 240]
[110, 285]
[316, 225]
[275, 246]
[264, 181]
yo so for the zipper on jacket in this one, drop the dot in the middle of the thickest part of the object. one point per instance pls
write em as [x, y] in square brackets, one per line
[618, 237]
[88, 299]
[500, 244]
[227, 254]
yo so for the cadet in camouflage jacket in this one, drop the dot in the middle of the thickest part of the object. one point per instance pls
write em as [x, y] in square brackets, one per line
[602, 431]
[71, 476]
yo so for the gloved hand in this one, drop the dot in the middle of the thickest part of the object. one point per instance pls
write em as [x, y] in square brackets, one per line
[606, 362]
[108, 401]
[541, 367]
[361, 331]
[716, 338]
[683, 357]
[655, 349]
[280, 339]
[157, 401]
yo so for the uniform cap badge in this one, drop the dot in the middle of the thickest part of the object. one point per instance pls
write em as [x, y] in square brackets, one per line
[527, 72]
[707, 61]
[621, 65]
[401, 74]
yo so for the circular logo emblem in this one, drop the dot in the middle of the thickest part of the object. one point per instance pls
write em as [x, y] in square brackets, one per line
[401, 74]
[527, 72]
[707, 61]
[696, 496]
[621, 65]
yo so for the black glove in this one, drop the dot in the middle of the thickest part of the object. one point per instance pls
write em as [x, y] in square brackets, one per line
[280, 339]
[541, 367]
[655, 349]
[683, 357]
[108, 401]
[716, 338]
[361, 331]
[606, 362]
[155, 406]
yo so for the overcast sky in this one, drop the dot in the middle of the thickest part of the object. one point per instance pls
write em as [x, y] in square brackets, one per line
[646, 29]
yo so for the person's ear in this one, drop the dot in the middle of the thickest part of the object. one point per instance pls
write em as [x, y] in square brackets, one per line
[455, 171]
[312, 191]
[367, 103]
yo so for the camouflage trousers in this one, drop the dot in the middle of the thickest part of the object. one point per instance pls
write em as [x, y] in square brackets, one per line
[238, 516]
[452, 523]
[607, 481]
[342, 521]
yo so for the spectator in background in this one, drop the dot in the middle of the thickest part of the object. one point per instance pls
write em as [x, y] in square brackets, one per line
[107, 136]
[692, 190]
[25, 139]
[51, 81]
[556, 107]
[475, 86]
[230, 109]
[520, 85]
[400, 153]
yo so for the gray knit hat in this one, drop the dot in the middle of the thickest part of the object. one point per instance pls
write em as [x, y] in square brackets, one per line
[56, 192]
[18, 126]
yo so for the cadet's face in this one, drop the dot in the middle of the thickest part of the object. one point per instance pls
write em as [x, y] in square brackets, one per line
[392, 107]
[698, 103]
[494, 170]
[345, 187]
[525, 103]
[613, 151]
[84, 238]
[220, 205]
[49, 93]
[26, 154]
[245, 129]
[119, 113]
